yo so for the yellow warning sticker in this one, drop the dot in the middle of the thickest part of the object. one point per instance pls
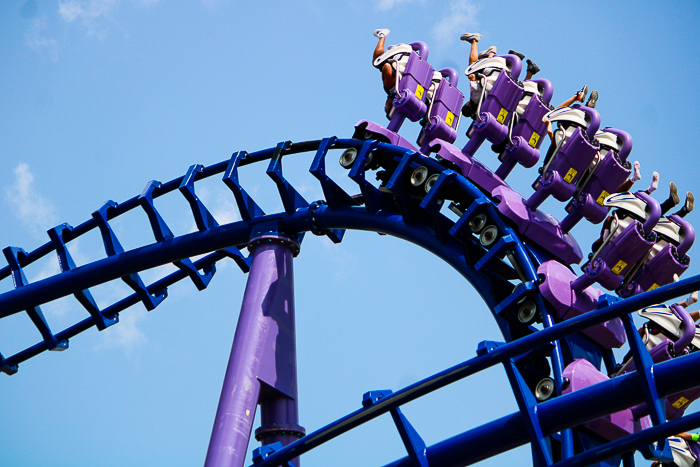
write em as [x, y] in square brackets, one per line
[450, 118]
[619, 267]
[502, 115]
[654, 286]
[680, 402]
[534, 139]
[419, 92]
[602, 197]
[570, 175]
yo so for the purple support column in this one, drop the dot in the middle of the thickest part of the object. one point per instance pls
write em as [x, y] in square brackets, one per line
[262, 365]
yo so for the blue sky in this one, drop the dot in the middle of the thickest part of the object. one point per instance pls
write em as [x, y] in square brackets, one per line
[99, 97]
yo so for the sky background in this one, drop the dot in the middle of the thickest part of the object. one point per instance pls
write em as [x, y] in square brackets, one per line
[99, 97]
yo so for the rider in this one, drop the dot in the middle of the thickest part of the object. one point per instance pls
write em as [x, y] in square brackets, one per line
[387, 69]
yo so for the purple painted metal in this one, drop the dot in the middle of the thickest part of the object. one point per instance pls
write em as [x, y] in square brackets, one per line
[262, 365]
[593, 118]
[565, 169]
[556, 289]
[670, 260]
[421, 48]
[628, 248]
[542, 228]
[581, 374]
[444, 112]
[546, 89]
[526, 136]
[608, 175]
[495, 113]
[412, 89]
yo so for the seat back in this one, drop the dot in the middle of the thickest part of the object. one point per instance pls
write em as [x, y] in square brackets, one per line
[608, 170]
[530, 111]
[502, 98]
[611, 168]
[572, 159]
[413, 80]
[630, 240]
[527, 130]
[667, 257]
[444, 110]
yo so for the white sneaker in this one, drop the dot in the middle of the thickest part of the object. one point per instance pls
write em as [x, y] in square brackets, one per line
[471, 36]
[381, 33]
[654, 182]
[692, 298]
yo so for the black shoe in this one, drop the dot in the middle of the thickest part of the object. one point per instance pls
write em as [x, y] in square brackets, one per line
[532, 68]
[517, 54]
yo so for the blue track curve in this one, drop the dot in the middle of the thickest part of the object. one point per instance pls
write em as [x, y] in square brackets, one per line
[503, 273]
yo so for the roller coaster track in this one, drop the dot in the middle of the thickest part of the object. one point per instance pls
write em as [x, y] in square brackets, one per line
[501, 266]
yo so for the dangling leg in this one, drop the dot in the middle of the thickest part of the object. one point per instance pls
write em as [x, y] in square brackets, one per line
[687, 206]
[386, 69]
[579, 96]
[473, 39]
[488, 53]
[379, 49]
[532, 69]
[672, 200]
[654, 183]
[592, 100]
[635, 177]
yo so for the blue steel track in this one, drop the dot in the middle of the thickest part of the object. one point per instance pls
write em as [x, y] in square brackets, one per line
[503, 273]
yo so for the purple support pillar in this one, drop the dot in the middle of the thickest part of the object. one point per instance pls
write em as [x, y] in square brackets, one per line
[262, 365]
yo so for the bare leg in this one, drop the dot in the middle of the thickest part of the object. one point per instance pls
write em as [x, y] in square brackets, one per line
[388, 79]
[579, 96]
[474, 52]
[528, 76]
[625, 186]
[379, 49]
[568, 102]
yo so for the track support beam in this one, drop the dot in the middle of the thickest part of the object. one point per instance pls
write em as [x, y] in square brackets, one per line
[262, 365]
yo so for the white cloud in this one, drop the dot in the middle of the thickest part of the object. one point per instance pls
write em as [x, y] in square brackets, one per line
[34, 211]
[88, 12]
[460, 18]
[126, 334]
[389, 4]
[37, 42]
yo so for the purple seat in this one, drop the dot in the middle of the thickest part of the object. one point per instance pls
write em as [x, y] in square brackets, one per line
[576, 149]
[412, 85]
[678, 332]
[444, 112]
[413, 80]
[660, 353]
[609, 170]
[581, 374]
[526, 136]
[667, 257]
[628, 243]
[502, 93]
[677, 404]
